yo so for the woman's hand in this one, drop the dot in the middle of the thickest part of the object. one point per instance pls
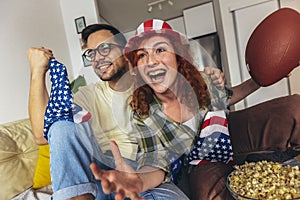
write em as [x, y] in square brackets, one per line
[124, 180]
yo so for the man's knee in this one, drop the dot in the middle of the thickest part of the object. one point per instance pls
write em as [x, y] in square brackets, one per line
[61, 130]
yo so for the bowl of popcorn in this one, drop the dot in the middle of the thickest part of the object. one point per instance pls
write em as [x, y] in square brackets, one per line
[264, 180]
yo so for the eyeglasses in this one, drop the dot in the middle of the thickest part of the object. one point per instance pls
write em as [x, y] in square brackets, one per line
[103, 49]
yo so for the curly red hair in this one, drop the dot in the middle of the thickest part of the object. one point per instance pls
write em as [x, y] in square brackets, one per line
[191, 83]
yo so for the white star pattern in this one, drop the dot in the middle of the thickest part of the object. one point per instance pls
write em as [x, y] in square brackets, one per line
[175, 166]
[60, 105]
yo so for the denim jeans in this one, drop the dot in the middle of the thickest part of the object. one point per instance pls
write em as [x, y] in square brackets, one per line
[72, 149]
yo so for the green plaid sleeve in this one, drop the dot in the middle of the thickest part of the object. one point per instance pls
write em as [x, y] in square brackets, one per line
[160, 138]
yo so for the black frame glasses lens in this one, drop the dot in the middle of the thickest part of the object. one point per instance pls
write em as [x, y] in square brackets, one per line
[103, 49]
[89, 54]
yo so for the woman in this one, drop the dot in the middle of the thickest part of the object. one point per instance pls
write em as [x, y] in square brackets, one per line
[170, 90]
[172, 98]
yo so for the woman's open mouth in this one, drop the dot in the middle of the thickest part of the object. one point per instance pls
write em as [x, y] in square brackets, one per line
[157, 76]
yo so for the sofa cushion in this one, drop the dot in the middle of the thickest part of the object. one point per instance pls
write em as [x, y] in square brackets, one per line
[42, 171]
[18, 157]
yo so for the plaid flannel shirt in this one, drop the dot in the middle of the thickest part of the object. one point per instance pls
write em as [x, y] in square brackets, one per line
[163, 141]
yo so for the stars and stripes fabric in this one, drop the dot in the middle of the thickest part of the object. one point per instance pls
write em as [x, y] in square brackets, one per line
[60, 105]
[175, 166]
[80, 115]
[213, 143]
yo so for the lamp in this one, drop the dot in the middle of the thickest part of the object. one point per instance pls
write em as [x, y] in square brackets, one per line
[159, 2]
[160, 6]
[170, 2]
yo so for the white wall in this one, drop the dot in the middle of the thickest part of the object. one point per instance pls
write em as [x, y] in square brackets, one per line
[25, 24]
[31, 23]
[72, 9]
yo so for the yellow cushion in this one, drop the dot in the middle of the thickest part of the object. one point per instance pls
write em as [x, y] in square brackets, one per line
[42, 171]
[18, 157]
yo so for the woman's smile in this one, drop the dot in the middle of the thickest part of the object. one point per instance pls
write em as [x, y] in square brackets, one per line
[157, 75]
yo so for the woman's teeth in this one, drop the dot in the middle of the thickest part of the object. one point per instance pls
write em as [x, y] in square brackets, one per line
[159, 74]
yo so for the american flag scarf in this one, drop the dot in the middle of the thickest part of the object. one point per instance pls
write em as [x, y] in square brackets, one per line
[214, 142]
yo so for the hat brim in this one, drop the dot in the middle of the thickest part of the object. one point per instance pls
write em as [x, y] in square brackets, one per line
[135, 40]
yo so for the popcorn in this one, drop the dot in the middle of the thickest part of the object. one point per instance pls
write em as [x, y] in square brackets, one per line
[265, 180]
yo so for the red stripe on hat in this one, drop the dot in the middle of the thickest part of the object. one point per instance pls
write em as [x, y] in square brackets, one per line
[148, 25]
[166, 26]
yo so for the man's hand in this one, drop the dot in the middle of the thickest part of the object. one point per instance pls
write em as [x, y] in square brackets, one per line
[216, 75]
[39, 59]
[124, 180]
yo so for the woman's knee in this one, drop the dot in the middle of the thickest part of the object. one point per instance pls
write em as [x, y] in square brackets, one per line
[208, 181]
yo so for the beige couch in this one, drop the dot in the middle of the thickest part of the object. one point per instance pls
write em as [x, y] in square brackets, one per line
[18, 158]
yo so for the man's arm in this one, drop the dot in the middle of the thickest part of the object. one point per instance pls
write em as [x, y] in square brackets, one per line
[239, 92]
[243, 90]
[38, 94]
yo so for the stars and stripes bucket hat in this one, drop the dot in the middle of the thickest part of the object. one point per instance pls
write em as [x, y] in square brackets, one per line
[152, 27]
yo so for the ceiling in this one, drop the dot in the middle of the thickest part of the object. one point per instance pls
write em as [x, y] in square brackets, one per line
[126, 15]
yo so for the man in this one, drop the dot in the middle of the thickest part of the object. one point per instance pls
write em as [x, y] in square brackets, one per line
[74, 147]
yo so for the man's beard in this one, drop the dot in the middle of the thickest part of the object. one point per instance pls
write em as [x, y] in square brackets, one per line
[115, 76]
